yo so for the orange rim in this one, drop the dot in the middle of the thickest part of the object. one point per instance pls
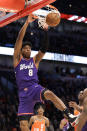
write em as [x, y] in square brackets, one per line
[52, 7]
[34, 16]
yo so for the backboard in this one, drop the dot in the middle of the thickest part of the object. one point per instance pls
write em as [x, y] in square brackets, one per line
[32, 6]
[12, 5]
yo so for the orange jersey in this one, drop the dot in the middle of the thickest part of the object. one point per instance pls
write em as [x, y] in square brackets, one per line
[38, 126]
[76, 113]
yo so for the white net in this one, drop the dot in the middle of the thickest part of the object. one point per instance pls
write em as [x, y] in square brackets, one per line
[42, 13]
[41, 21]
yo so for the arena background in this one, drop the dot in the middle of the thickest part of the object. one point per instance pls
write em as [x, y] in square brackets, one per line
[65, 73]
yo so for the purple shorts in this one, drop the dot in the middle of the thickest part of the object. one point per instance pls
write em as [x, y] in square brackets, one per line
[27, 101]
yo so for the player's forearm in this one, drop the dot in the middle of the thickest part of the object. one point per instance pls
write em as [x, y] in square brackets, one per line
[21, 34]
[81, 122]
[45, 42]
[23, 30]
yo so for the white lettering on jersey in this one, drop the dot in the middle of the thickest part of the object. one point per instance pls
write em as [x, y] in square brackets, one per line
[23, 66]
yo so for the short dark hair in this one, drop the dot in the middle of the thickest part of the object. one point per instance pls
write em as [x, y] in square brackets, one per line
[26, 43]
[37, 106]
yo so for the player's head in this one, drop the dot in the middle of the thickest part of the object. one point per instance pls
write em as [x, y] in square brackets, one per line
[39, 108]
[26, 49]
[80, 96]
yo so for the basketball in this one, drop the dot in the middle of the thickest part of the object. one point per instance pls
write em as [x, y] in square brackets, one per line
[53, 19]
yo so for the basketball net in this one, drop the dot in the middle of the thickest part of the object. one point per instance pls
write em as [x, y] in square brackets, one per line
[42, 14]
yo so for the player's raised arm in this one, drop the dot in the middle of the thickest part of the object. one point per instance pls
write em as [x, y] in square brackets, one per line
[75, 106]
[18, 44]
[44, 45]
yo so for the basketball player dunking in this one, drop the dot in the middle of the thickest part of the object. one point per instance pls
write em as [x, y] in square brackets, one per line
[26, 76]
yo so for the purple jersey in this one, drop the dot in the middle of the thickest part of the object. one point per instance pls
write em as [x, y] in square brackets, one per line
[26, 75]
[66, 127]
[29, 89]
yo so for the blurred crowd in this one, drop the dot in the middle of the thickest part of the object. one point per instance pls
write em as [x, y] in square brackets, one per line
[72, 43]
[66, 87]
[8, 110]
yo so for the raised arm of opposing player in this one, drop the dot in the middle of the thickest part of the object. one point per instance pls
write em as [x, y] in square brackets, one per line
[19, 40]
[44, 45]
[75, 106]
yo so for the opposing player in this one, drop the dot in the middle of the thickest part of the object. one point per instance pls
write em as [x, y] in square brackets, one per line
[82, 125]
[77, 107]
[39, 121]
[27, 80]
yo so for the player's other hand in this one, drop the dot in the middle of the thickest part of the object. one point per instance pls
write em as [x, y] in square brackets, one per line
[72, 104]
[45, 26]
[31, 18]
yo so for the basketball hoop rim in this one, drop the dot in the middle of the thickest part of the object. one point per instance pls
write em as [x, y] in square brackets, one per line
[50, 9]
